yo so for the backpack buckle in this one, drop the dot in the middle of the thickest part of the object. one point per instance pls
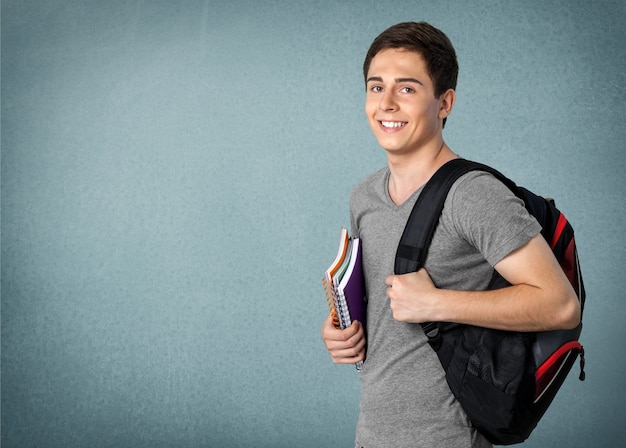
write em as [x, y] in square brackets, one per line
[433, 333]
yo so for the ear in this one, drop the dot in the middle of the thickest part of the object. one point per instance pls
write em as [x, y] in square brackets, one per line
[446, 103]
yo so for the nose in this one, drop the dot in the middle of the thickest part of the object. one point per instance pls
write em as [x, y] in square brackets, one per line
[388, 102]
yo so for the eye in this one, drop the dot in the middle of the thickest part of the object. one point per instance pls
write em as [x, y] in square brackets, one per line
[407, 89]
[376, 89]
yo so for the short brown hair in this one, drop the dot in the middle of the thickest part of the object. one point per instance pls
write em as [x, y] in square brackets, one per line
[431, 43]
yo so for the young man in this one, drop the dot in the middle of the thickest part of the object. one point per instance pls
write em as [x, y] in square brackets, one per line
[410, 73]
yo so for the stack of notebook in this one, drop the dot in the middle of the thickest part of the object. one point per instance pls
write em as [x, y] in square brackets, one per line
[344, 284]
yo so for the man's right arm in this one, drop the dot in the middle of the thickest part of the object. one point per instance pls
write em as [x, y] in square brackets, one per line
[345, 346]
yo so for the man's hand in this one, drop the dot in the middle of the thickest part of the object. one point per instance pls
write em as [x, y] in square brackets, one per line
[410, 296]
[345, 346]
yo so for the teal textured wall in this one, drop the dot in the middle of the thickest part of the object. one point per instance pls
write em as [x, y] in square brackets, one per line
[174, 176]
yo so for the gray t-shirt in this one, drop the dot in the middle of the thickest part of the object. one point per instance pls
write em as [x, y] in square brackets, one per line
[405, 400]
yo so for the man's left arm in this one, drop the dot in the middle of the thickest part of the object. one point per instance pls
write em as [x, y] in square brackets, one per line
[540, 296]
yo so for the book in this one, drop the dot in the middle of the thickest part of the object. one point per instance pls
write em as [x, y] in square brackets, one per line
[344, 284]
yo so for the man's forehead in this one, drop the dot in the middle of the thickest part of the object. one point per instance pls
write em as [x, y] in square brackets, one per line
[397, 64]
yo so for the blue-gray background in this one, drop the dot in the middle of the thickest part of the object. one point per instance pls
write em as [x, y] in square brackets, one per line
[174, 176]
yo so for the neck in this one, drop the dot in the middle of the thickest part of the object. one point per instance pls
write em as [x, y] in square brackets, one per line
[410, 171]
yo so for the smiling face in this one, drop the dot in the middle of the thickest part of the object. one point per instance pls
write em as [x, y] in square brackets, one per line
[401, 106]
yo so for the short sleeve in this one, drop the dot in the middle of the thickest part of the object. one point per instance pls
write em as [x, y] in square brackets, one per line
[489, 216]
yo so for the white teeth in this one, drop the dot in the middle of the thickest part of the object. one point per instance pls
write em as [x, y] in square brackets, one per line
[393, 124]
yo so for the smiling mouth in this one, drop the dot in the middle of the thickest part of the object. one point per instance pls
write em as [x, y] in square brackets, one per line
[393, 124]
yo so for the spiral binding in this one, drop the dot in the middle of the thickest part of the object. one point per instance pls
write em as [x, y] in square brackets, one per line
[329, 290]
[342, 311]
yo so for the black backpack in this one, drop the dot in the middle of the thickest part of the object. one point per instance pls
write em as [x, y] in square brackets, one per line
[504, 380]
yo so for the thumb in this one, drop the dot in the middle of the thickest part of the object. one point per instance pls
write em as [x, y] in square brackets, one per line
[389, 280]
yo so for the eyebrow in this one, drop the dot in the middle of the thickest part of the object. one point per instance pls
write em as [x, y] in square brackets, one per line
[398, 80]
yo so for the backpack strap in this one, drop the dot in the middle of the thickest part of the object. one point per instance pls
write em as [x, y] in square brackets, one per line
[424, 218]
